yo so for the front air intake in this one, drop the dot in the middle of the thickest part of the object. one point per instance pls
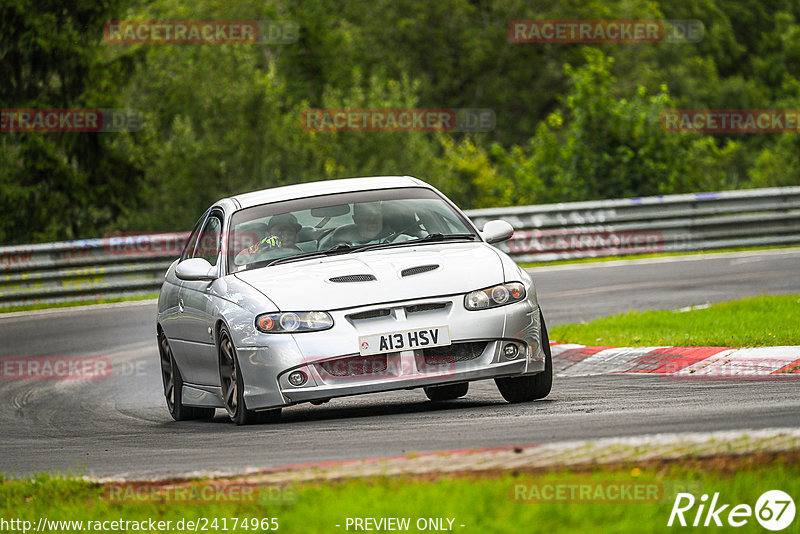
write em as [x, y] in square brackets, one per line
[356, 365]
[369, 314]
[437, 357]
[353, 278]
[416, 308]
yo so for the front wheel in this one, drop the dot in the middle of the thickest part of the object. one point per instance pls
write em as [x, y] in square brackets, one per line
[528, 388]
[173, 386]
[233, 387]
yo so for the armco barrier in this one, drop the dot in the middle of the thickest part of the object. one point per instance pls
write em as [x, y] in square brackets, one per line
[673, 223]
[88, 269]
[129, 265]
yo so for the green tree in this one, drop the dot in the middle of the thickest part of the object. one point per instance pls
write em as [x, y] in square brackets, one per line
[606, 145]
[60, 185]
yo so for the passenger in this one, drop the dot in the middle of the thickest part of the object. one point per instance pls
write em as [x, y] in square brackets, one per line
[369, 226]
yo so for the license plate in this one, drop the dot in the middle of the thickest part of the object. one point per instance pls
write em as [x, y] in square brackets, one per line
[421, 338]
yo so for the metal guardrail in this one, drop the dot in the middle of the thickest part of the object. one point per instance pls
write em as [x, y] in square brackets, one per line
[86, 270]
[670, 223]
[126, 265]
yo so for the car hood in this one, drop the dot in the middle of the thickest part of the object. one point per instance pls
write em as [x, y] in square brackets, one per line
[306, 285]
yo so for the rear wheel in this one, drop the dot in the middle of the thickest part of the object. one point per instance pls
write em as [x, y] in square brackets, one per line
[173, 386]
[447, 392]
[233, 387]
[528, 388]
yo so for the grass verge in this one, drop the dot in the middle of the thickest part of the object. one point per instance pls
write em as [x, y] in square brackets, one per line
[499, 503]
[751, 322]
[602, 259]
[47, 306]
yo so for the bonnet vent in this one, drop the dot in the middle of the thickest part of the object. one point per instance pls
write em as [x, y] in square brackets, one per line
[411, 271]
[353, 278]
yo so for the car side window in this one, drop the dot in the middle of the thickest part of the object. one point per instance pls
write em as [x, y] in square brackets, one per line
[192, 241]
[208, 244]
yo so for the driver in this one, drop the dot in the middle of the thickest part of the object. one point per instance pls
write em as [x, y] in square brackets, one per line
[281, 233]
[368, 218]
[285, 228]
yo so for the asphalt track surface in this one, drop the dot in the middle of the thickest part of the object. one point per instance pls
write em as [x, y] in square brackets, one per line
[120, 426]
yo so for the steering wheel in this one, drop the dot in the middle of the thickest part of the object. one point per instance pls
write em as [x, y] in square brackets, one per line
[271, 253]
[391, 237]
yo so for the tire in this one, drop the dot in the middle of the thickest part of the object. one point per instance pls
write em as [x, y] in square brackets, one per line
[446, 392]
[173, 386]
[528, 388]
[233, 387]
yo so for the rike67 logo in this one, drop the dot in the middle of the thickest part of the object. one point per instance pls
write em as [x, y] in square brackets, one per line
[774, 510]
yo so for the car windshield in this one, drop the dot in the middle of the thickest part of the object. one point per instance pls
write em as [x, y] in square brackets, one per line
[341, 223]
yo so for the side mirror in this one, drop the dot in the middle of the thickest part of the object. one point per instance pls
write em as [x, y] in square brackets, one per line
[196, 269]
[496, 231]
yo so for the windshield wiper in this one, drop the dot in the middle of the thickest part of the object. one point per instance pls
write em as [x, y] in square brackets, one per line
[341, 248]
[436, 236]
[266, 263]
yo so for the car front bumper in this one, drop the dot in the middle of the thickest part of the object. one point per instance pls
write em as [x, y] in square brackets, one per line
[331, 361]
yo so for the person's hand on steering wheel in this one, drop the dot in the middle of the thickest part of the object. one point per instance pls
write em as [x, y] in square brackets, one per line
[391, 238]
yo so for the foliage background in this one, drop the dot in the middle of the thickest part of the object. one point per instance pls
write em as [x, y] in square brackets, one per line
[574, 122]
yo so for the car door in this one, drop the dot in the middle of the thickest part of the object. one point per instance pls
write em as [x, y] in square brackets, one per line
[170, 315]
[196, 351]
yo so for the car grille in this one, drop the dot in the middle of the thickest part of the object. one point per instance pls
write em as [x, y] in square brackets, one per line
[457, 352]
[416, 308]
[369, 314]
[356, 365]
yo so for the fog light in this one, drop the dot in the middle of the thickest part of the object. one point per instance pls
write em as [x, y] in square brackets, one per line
[297, 378]
[510, 351]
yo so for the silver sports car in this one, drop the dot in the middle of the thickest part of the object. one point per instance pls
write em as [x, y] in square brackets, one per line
[320, 290]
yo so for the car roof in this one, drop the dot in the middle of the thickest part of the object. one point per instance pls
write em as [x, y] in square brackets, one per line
[328, 187]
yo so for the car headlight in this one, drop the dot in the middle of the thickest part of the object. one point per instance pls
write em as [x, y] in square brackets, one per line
[493, 297]
[292, 322]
